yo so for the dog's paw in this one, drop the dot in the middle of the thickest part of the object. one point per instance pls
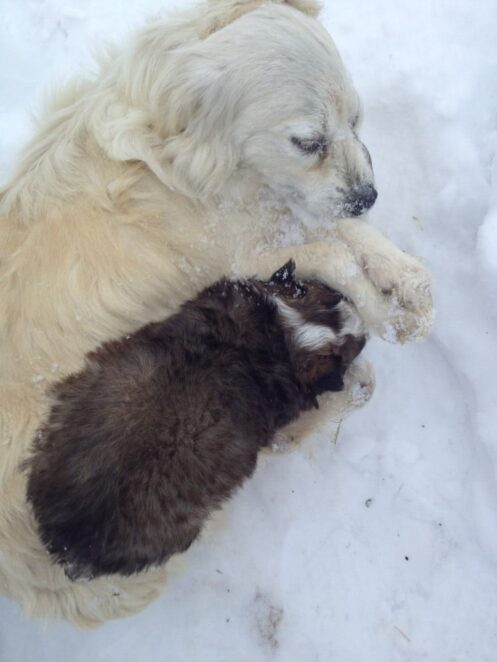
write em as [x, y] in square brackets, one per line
[334, 407]
[282, 443]
[359, 383]
[405, 285]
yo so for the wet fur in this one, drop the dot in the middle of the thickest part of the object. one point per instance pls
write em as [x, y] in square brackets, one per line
[162, 426]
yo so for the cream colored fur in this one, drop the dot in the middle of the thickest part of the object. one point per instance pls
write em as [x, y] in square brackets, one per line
[173, 167]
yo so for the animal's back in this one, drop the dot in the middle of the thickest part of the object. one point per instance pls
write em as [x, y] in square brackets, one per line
[162, 427]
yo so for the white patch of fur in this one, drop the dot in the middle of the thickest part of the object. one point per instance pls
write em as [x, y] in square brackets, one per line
[314, 336]
[306, 335]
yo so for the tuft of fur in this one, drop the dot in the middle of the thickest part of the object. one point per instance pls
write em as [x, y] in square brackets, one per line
[162, 426]
[220, 14]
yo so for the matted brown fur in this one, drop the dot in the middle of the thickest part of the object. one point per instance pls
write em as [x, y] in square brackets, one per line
[161, 426]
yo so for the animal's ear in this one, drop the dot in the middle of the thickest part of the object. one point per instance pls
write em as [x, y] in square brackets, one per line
[285, 274]
[125, 134]
[220, 13]
[192, 152]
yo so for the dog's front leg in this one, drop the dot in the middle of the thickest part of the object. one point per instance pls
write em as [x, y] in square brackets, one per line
[334, 407]
[334, 263]
[401, 278]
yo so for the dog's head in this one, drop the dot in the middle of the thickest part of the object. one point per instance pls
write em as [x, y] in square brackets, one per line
[298, 122]
[325, 330]
[245, 95]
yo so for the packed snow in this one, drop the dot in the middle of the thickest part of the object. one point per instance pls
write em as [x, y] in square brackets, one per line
[383, 546]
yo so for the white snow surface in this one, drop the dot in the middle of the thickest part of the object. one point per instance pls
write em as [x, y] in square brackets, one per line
[383, 547]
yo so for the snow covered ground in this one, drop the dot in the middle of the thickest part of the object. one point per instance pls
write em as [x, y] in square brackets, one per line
[382, 548]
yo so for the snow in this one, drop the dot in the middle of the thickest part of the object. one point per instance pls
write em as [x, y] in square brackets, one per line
[382, 547]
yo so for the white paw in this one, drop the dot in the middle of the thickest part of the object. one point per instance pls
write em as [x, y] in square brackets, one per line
[334, 407]
[359, 383]
[281, 443]
[405, 285]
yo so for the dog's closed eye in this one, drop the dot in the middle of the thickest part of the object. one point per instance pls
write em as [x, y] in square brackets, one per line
[317, 145]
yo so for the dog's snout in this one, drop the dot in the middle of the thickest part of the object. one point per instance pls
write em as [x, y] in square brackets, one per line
[361, 199]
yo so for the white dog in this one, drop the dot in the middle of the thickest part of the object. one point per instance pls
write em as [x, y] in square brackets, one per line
[221, 141]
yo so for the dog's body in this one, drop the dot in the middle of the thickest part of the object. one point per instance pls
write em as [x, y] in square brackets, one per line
[189, 157]
[162, 426]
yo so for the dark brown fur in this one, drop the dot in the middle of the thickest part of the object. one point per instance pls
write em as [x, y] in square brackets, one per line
[161, 427]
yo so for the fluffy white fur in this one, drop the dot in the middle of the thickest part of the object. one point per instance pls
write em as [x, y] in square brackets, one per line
[174, 166]
[314, 336]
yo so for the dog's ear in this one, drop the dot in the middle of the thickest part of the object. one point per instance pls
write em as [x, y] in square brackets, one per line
[203, 155]
[220, 13]
[125, 134]
[184, 143]
[285, 274]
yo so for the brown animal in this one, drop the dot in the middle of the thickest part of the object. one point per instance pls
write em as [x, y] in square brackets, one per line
[162, 426]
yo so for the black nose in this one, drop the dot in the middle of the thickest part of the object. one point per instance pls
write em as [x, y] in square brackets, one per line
[361, 199]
